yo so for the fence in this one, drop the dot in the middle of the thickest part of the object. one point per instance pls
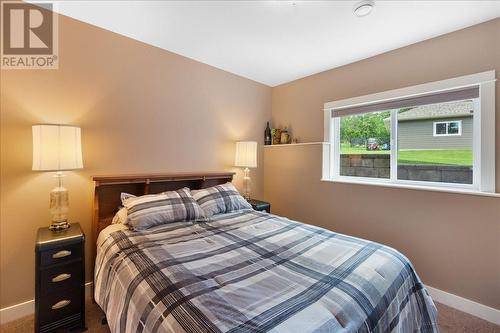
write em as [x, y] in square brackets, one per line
[378, 166]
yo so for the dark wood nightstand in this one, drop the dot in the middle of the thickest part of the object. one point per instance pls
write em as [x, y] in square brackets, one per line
[260, 205]
[60, 279]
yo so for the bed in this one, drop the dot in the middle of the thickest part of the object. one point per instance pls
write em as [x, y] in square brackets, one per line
[247, 271]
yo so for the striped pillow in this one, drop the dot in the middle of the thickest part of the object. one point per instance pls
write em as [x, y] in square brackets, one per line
[220, 199]
[154, 209]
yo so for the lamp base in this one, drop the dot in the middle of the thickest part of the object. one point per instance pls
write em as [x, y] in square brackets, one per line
[246, 179]
[59, 206]
[59, 226]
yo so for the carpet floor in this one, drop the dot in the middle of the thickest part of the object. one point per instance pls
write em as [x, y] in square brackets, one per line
[450, 321]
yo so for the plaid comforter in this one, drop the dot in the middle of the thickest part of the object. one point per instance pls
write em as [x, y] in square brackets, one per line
[254, 272]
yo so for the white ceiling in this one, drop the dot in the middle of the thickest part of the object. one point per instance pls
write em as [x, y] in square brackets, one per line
[274, 42]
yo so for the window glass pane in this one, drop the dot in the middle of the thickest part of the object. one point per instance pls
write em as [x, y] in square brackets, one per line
[445, 158]
[453, 128]
[441, 128]
[365, 149]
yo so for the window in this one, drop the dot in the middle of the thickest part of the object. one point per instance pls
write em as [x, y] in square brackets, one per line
[440, 134]
[365, 148]
[444, 128]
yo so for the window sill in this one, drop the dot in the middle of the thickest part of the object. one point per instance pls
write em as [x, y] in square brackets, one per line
[414, 187]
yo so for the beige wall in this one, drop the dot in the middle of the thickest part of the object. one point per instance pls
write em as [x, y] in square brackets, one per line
[453, 240]
[141, 109]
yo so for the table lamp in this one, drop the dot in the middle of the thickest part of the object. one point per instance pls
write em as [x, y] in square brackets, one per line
[57, 148]
[246, 157]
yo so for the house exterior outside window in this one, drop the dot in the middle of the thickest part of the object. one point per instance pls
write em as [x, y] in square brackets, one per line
[437, 126]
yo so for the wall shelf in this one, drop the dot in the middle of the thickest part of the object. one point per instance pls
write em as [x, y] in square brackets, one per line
[297, 144]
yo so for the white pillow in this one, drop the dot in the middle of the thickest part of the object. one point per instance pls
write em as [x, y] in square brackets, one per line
[125, 196]
[120, 217]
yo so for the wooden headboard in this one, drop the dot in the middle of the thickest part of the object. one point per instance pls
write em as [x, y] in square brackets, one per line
[108, 189]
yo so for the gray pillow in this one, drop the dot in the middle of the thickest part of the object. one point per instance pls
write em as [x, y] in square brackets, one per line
[154, 209]
[220, 199]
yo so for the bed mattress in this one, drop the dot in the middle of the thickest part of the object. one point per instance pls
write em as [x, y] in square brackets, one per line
[251, 271]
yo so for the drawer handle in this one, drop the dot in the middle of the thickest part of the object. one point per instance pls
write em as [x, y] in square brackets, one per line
[61, 304]
[61, 254]
[61, 277]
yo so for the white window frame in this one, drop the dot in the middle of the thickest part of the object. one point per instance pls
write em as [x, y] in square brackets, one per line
[447, 123]
[483, 141]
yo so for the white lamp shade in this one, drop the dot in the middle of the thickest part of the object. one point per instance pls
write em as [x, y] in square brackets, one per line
[246, 154]
[56, 148]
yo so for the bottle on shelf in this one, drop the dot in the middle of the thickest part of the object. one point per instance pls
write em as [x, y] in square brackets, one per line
[267, 135]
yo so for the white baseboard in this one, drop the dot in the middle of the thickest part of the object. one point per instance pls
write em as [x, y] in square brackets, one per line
[476, 309]
[17, 311]
[27, 308]
[465, 305]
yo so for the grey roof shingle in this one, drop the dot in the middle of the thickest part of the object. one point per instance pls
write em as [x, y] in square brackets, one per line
[441, 110]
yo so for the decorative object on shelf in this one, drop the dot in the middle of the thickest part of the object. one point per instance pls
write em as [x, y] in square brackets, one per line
[267, 135]
[295, 140]
[246, 157]
[285, 136]
[57, 148]
[276, 134]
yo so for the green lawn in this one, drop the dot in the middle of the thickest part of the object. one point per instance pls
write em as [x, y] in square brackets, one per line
[447, 157]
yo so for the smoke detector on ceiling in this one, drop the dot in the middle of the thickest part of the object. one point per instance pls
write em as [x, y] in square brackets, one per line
[363, 8]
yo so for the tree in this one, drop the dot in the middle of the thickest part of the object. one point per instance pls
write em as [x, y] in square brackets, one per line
[365, 126]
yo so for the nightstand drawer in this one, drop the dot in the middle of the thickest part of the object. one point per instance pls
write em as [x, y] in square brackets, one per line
[59, 278]
[54, 307]
[61, 254]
